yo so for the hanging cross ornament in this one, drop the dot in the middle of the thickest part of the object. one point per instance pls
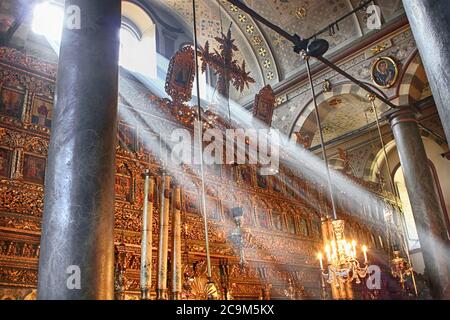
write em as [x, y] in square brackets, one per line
[225, 67]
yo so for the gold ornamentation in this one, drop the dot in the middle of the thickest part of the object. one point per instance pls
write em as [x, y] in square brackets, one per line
[262, 52]
[180, 76]
[326, 85]
[242, 18]
[379, 48]
[264, 105]
[256, 40]
[300, 13]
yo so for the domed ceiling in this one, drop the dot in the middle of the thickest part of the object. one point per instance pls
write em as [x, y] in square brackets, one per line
[270, 57]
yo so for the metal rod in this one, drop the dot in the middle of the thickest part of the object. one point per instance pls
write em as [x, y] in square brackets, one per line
[176, 245]
[147, 234]
[200, 135]
[319, 124]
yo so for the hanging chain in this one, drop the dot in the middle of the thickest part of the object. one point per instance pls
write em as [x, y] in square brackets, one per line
[322, 142]
[200, 135]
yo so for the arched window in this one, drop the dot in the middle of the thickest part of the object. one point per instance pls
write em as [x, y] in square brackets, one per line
[138, 37]
[47, 21]
[137, 41]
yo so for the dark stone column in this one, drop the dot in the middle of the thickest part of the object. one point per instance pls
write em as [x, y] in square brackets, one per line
[430, 24]
[78, 220]
[424, 201]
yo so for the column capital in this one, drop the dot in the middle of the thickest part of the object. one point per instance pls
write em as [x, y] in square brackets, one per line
[404, 114]
[147, 173]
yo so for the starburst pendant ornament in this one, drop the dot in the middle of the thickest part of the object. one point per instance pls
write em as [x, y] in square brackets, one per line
[225, 67]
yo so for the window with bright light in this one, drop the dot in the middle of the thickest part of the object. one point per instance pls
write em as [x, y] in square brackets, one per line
[129, 45]
[138, 44]
[47, 21]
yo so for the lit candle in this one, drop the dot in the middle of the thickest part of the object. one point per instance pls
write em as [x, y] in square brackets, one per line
[319, 256]
[333, 247]
[354, 248]
[328, 252]
[347, 248]
[364, 248]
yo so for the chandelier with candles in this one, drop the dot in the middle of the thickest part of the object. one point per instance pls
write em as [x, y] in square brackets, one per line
[341, 256]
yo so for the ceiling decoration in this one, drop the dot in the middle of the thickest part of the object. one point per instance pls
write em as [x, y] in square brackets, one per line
[257, 40]
[269, 57]
[340, 115]
[274, 54]
[214, 21]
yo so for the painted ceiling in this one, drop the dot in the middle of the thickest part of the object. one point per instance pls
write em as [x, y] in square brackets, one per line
[271, 57]
[345, 113]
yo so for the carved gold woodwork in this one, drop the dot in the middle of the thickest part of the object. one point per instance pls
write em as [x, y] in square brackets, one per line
[264, 105]
[21, 203]
[180, 76]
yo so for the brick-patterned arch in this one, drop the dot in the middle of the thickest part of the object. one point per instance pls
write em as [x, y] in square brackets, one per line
[370, 163]
[303, 116]
[413, 81]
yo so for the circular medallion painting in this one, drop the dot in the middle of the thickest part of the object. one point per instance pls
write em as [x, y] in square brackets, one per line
[384, 72]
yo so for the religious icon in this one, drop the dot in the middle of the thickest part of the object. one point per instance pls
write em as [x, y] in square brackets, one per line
[277, 220]
[290, 188]
[5, 23]
[261, 180]
[149, 142]
[5, 158]
[291, 223]
[304, 227]
[41, 112]
[385, 72]
[276, 184]
[212, 208]
[248, 217]
[214, 169]
[123, 187]
[246, 175]
[180, 76]
[34, 169]
[264, 104]
[127, 137]
[303, 140]
[263, 219]
[230, 172]
[190, 203]
[11, 102]
[317, 229]
[123, 183]
[302, 189]
[226, 207]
